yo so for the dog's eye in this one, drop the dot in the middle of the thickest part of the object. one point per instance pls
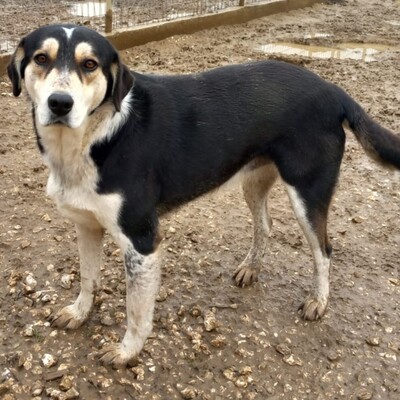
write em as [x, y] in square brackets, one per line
[41, 59]
[90, 65]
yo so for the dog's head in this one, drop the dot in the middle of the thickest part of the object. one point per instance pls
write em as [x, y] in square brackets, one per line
[69, 71]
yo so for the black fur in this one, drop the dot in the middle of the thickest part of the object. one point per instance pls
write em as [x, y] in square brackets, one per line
[189, 134]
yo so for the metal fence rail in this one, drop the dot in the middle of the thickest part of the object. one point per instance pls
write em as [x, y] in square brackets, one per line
[19, 17]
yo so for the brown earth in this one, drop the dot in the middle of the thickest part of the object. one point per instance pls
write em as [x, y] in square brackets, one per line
[260, 347]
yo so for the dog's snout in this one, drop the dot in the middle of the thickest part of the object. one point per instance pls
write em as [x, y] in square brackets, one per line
[60, 103]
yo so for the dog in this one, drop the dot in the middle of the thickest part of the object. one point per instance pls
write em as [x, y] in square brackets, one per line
[123, 148]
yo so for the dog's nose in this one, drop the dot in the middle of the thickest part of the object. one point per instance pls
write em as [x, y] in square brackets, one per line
[60, 103]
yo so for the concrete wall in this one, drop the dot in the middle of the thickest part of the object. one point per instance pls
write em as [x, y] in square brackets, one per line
[134, 37]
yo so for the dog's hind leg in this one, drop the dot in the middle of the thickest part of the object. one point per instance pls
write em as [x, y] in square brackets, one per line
[313, 221]
[256, 185]
[308, 161]
[90, 246]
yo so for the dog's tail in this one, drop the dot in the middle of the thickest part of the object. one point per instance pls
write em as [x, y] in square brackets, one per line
[378, 142]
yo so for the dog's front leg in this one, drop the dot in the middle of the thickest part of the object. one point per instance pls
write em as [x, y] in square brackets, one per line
[142, 284]
[89, 244]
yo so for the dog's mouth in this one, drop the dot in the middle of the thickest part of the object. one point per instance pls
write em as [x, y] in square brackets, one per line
[57, 121]
[52, 119]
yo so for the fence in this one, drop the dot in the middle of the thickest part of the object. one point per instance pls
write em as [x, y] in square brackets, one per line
[18, 17]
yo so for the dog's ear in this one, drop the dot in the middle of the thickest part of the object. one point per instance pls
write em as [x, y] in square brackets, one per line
[15, 70]
[122, 82]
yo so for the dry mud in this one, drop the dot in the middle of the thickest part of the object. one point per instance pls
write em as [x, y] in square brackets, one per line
[259, 347]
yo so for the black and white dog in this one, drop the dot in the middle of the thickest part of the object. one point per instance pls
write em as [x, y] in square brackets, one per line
[123, 148]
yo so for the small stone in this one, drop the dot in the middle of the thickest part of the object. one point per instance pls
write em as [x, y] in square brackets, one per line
[37, 388]
[54, 393]
[229, 374]
[246, 370]
[58, 238]
[104, 383]
[26, 361]
[357, 219]
[162, 294]
[189, 393]
[28, 331]
[116, 253]
[181, 311]
[30, 281]
[210, 321]
[66, 383]
[195, 311]
[293, 360]
[373, 341]
[46, 217]
[394, 281]
[25, 244]
[241, 382]
[364, 394]
[333, 355]
[283, 349]
[14, 278]
[45, 298]
[219, 341]
[66, 281]
[139, 373]
[71, 394]
[49, 360]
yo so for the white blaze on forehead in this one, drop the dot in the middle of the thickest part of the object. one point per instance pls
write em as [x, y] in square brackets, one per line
[68, 32]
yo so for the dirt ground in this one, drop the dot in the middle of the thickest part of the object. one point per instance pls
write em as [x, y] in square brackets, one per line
[259, 348]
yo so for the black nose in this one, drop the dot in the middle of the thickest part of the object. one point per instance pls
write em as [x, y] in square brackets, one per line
[60, 103]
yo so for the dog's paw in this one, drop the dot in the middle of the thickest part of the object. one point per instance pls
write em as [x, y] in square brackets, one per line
[68, 318]
[114, 356]
[313, 308]
[245, 275]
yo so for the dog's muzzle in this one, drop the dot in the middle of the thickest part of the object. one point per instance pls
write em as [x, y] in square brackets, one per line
[60, 104]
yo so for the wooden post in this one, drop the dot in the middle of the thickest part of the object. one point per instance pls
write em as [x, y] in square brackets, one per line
[241, 3]
[109, 16]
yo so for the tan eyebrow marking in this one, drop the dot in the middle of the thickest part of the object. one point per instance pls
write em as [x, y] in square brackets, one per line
[50, 46]
[84, 51]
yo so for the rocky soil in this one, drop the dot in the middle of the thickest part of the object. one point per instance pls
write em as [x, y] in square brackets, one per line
[212, 340]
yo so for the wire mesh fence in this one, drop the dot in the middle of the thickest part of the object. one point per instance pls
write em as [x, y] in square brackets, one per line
[18, 17]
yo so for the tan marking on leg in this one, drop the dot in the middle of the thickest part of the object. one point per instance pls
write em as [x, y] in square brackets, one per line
[89, 244]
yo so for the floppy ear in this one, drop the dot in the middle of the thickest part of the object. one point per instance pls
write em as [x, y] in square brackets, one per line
[14, 68]
[123, 82]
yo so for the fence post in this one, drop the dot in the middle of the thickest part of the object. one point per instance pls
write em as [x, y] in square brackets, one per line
[109, 16]
[241, 3]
